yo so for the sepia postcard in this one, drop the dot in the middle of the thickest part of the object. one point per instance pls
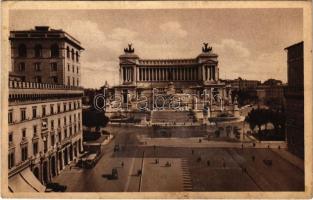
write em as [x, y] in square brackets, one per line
[156, 99]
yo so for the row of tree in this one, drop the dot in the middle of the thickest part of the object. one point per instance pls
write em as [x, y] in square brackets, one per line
[259, 117]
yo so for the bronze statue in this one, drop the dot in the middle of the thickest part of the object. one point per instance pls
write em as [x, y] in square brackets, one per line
[129, 49]
[206, 49]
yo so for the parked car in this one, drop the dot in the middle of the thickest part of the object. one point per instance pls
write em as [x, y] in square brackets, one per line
[56, 187]
[116, 147]
[114, 174]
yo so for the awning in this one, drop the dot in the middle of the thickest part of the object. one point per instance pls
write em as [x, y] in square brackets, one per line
[31, 179]
[18, 184]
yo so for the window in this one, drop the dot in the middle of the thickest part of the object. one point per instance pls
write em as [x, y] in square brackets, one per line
[71, 131]
[54, 79]
[45, 145]
[74, 117]
[38, 79]
[65, 133]
[10, 137]
[73, 54]
[23, 114]
[64, 120]
[70, 104]
[70, 118]
[35, 130]
[34, 112]
[10, 117]
[37, 67]
[64, 107]
[54, 51]
[67, 52]
[77, 56]
[35, 148]
[38, 51]
[24, 153]
[11, 159]
[68, 81]
[52, 140]
[77, 69]
[52, 124]
[59, 123]
[51, 109]
[59, 108]
[60, 136]
[79, 117]
[68, 67]
[54, 66]
[22, 50]
[24, 133]
[77, 82]
[73, 68]
[21, 67]
[73, 81]
[43, 111]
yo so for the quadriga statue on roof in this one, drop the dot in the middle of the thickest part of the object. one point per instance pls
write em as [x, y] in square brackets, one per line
[206, 49]
[129, 49]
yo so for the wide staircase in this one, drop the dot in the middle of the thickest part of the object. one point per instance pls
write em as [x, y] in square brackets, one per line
[172, 117]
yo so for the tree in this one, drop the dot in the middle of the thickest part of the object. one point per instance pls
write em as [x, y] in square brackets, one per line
[94, 118]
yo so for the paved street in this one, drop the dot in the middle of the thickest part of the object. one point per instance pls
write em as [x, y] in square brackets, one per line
[194, 166]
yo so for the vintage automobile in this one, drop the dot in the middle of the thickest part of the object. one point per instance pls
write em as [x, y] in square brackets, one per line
[114, 174]
[116, 147]
[55, 187]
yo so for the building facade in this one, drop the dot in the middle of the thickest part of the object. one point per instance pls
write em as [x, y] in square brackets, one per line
[151, 85]
[46, 55]
[294, 95]
[45, 116]
[243, 84]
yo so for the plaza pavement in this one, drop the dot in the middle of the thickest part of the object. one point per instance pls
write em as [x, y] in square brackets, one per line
[230, 167]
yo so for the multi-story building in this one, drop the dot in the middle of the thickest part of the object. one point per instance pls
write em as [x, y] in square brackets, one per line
[45, 55]
[44, 115]
[294, 95]
[243, 84]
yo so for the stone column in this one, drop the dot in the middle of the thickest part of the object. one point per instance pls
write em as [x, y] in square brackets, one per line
[203, 73]
[137, 74]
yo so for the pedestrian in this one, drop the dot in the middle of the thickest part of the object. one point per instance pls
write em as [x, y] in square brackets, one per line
[200, 140]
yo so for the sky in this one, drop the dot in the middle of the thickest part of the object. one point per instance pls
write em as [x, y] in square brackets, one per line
[250, 42]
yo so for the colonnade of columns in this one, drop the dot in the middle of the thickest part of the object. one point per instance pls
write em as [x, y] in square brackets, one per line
[128, 74]
[209, 73]
[167, 74]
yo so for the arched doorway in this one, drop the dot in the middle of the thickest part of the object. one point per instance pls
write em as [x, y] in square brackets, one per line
[53, 166]
[71, 153]
[60, 161]
[65, 156]
[36, 173]
[45, 172]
